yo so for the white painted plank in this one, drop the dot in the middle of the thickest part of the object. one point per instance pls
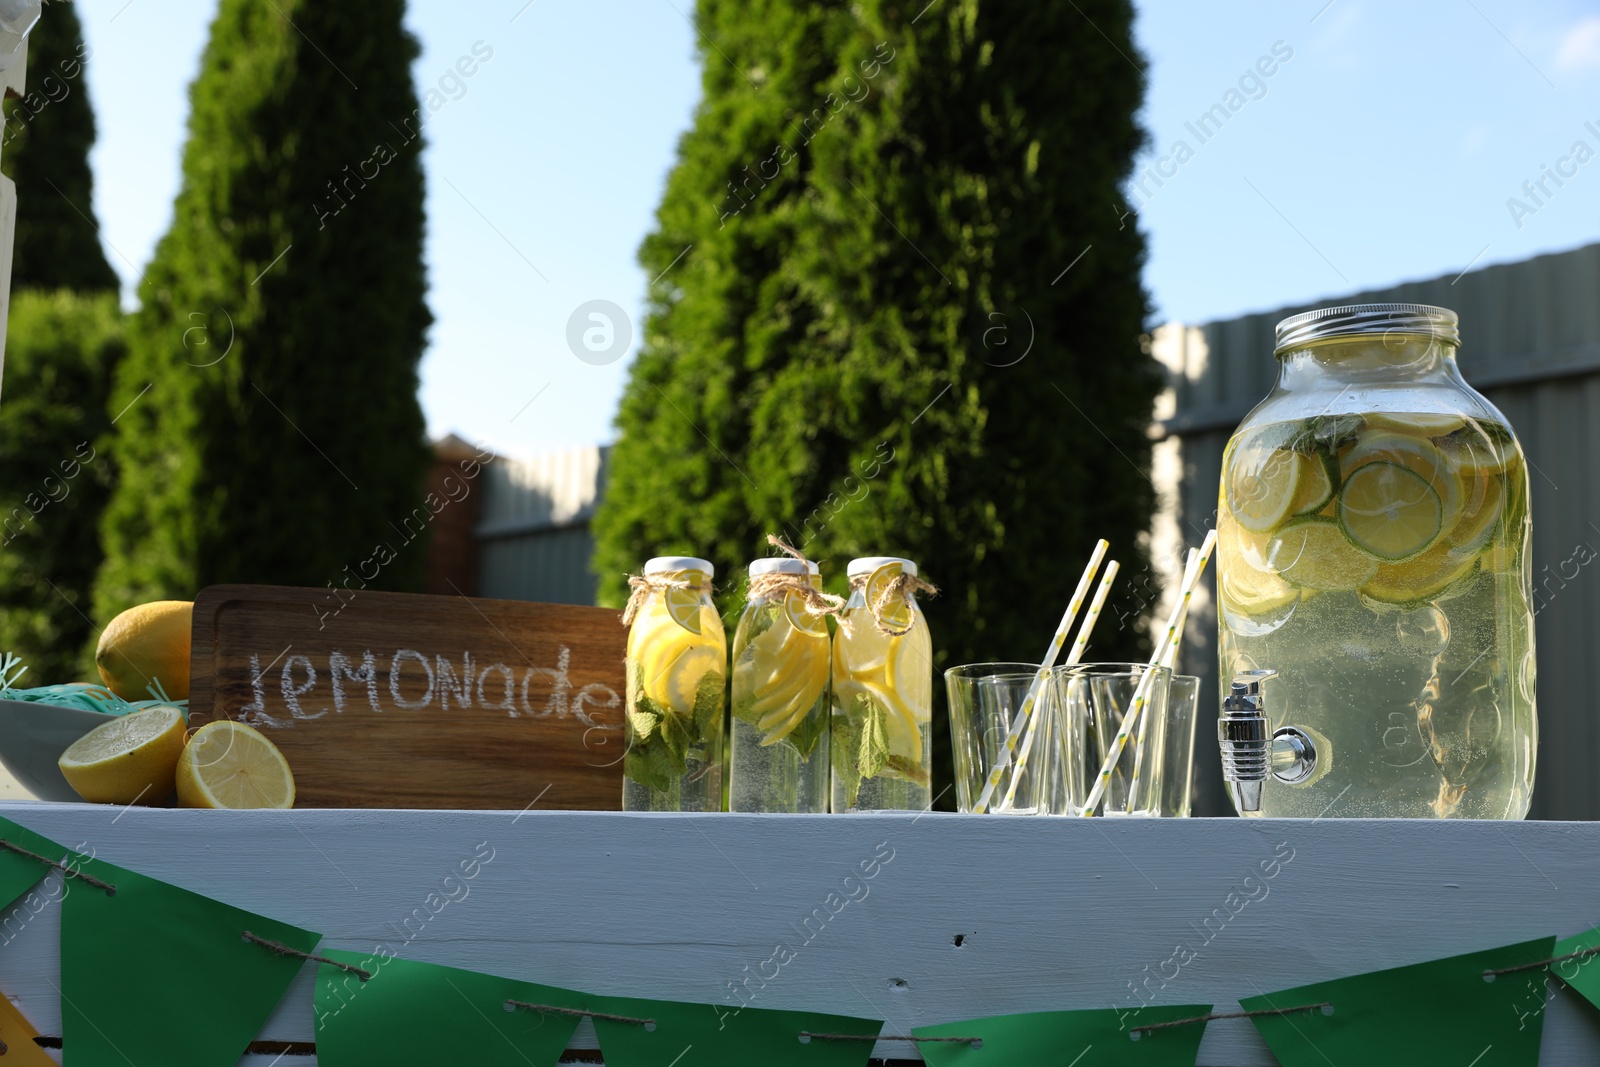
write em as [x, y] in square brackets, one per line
[1055, 913]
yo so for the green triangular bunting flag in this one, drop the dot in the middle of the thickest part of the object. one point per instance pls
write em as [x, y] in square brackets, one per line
[1437, 1012]
[18, 873]
[424, 1014]
[154, 974]
[1583, 973]
[1097, 1038]
[705, 1035]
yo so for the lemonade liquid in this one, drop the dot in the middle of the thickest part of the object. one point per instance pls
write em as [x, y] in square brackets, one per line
[1376, 561]
[882, 697]
[676, 666]
[779, 736]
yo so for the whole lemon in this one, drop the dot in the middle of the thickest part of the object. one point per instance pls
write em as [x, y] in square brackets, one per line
[146, 644]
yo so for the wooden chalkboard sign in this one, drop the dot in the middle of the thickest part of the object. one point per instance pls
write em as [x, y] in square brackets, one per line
[396, 700]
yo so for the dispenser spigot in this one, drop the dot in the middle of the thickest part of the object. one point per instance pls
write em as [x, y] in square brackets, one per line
[1251, 749]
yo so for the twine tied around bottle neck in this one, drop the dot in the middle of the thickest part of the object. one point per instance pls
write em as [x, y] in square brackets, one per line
[773, 586]
[899, 588]
[644, 585]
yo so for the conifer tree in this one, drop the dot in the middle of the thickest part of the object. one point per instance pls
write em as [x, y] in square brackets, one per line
[44, 148]
[274, 433]
[907, 316]
[60, 354]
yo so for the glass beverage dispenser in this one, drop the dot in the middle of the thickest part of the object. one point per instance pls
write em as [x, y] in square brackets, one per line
[1374, 581]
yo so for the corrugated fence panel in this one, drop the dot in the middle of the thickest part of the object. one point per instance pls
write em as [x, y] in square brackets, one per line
[534, 541]
[1531, 343]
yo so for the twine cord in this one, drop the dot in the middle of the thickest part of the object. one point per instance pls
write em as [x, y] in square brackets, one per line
[512, 1005]
[284, 950]
[900, 587]
[772, 586]
[1543, 963]
[644, 585]
[70, 872]
[975, 1042]
[1233, 1015]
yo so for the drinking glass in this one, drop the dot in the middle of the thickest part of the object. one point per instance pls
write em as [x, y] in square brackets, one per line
[984, 701]
[1092, 700]
[1177, 777]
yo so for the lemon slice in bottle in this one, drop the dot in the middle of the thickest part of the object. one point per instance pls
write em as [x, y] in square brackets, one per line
[1390, 511]
[1314, 553]
[1262, 491]
[1318, 483]
[672, 671]
[896, 612]
[683, 607]
[230, 765]
[800, 617]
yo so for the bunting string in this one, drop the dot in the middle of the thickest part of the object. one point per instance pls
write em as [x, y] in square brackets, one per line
[284, 950]
[513, 1005]
[1234, 1015]
[1535, 965]
[70, 872]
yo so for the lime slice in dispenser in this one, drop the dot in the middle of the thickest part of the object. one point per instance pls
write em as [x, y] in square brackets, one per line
[1417, 455]
[1480, 468]
[1314, 553]
[1390, 511]
[1318, 482]
[1261, 491]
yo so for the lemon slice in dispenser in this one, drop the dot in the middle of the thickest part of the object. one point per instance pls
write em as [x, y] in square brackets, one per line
[1261, 491]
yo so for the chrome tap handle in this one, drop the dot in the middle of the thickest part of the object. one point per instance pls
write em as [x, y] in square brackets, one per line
[1251, 749]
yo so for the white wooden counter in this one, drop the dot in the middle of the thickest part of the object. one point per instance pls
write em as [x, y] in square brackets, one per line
[1049, 913]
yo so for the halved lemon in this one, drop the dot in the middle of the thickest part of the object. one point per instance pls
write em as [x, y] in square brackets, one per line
[1390, 511]
[1417, 455]
[230, 765]
[1422, 578]
[896, 613]
[127, 759]
[1314, 553]
[1261, 490]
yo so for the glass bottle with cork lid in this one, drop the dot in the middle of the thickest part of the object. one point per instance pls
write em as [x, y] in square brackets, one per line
[677, 671]
[778, 761]
[882, 691]
[1374, 575]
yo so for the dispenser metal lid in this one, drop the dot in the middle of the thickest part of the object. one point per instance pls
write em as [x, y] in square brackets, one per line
[1367, 320]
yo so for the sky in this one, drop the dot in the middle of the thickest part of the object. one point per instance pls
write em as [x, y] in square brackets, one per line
[1386, 144]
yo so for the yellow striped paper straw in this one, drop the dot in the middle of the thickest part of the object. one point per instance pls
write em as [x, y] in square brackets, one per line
[1167, 661]
[1025, 713]
[1073, 656]
[1142, 694]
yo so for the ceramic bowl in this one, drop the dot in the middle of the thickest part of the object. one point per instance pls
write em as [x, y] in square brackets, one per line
[32, 738]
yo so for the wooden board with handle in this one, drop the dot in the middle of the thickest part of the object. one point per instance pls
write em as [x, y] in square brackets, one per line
[399, 700]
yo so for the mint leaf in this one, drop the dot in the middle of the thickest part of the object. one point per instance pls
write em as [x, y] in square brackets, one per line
[845, 747]
[643, 723]
[651, 766]
[874, 740]
[812, 729]
[708, 704]
[911, 772]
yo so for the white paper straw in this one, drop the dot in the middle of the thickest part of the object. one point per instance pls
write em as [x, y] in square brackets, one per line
[1171, 660]
[1074, 655]
[1025, 713]
[1142, 693]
